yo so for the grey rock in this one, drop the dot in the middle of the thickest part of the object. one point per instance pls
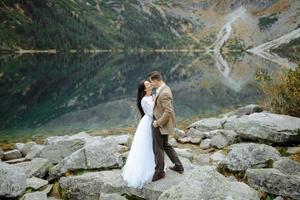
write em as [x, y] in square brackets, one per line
[196, 140]
[173, 142]
[195, 133]
[53, 140]
[35, 183]
[218, 157]
[19, 160]
[184, 140]
[48, 189]
[273, 181]
[266, 126]
[250, 155]
[205, 144]
[12, 154]
[18, 146]
[24, 148]
[246, 110]
[222, 138]
[27, 148]
[95, 154]
[205, 182]
[38, 167]
[178, 133]
[202, 159]
[53, 198]
[287, 166]
[208, 124]
[219, 141]
[61, 149]
[13, 180]
[1, 154]
[91, 184]
[34, 151]
[119, 139]
[186, 153]
[35, 196]
[293, 150]
[112, 196]
[279, 198]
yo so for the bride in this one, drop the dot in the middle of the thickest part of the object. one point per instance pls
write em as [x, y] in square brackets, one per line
[140, 164]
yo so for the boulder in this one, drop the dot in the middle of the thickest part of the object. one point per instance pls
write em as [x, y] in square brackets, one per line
[19, 160]
[83, 136]
[12, 154]
[279, 198]
[222, 138]
[186, 153]
[91, 185]
[34, 151]
[178, 133]
[13, 180]
[250, 155]
[207, 124]
[98, 154]
[24, 148]
[173, 142]
[202, 159]
[38, 167]
[290, 150]
[18, 146]
[205, 182]
[119, 139]
[35, 183]
[205, 144]
[57, 151]
[217, 157]
[246, 110]
[112, 196]
[275, 182]
[35, 196]
[27, 147]
[287, 166]
[184, 140]
[1, 154]
[266, 126]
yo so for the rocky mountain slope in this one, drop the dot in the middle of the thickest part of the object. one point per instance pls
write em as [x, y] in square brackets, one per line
[145, 23]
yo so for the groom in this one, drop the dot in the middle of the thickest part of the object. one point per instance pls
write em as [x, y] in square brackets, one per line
[163, 125]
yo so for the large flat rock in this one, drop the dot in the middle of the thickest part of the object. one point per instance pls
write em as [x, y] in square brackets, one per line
[266, 126]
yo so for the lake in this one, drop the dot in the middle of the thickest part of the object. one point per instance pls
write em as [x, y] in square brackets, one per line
[55, 94]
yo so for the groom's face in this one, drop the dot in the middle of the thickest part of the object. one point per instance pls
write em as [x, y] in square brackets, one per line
[154, 83]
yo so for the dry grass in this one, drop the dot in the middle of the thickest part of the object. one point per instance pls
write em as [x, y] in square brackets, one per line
[277, 7]
[283, 93]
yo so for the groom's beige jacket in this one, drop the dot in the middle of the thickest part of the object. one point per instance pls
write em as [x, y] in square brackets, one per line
[163, 111]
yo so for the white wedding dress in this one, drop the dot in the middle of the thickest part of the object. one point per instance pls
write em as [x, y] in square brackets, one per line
[140, 164]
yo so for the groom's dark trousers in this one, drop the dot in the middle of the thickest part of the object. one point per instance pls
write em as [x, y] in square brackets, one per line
[160, 146]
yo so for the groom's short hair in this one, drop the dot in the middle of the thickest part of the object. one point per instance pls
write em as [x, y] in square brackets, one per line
[155, 75]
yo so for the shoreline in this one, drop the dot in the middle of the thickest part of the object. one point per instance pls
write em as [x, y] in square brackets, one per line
[240, 150]
[182, 124]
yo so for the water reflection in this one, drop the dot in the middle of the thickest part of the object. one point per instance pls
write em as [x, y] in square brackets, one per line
[67, 93]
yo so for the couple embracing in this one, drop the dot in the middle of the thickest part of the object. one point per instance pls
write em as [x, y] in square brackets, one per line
[145, 161]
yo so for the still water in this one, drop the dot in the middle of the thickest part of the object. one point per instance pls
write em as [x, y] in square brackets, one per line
[54, 94]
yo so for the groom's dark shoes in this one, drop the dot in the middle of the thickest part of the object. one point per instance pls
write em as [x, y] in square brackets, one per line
[156, 176]
[177, 168]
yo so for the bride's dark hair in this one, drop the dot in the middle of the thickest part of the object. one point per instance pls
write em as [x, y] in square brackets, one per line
[140, 94]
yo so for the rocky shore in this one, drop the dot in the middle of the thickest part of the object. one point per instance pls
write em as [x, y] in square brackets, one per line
[246, 154]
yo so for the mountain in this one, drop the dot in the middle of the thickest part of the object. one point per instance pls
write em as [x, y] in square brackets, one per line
[114, 24]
